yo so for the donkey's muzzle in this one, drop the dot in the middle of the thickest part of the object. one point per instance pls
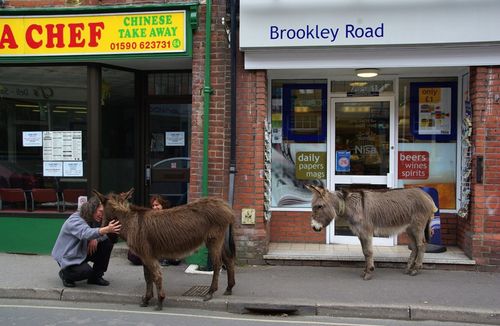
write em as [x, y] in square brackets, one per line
[316, 226]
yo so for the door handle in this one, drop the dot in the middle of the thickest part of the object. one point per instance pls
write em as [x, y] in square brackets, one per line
[147, 175]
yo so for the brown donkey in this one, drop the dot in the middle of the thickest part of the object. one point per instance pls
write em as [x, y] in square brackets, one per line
[174, 233]
[375, 212]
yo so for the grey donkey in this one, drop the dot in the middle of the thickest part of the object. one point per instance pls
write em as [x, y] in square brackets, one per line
[377, 212]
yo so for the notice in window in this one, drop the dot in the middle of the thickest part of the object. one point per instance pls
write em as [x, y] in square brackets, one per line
[174, 138]
[434, 111]
[52, 169]
[62, 145]
[73, 169]
[32, 139]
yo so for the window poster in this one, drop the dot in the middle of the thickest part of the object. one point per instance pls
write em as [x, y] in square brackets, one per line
[62, 145]
[174, 138]
[52, 169]
[73, 169]
[59, 149]
[32, 139]
[434, 110]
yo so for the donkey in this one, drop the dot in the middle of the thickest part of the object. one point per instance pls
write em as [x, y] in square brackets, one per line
[174, 233]
[374, 212]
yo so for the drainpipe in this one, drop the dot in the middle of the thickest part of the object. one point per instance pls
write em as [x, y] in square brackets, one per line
[234, 49]
[207, 92]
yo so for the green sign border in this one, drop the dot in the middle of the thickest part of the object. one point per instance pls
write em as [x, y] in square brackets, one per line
[191, 24]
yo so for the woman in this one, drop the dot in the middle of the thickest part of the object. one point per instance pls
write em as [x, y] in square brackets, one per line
[157, 202]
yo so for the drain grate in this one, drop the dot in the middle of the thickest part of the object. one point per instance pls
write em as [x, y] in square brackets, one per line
[197, 291]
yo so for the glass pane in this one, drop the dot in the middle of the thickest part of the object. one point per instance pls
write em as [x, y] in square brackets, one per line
[362, 131]
[118, 107]
[34, 101]
[429, 161]
[298, 140]
[361, 88]
[306, 111]
[170, 129]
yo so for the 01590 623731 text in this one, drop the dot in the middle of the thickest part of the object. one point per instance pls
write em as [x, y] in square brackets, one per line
[117, 46]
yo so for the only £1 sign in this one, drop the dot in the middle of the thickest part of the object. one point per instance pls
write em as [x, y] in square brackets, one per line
[145, 32]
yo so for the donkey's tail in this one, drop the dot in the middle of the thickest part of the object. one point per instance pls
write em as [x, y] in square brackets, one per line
[229, 245]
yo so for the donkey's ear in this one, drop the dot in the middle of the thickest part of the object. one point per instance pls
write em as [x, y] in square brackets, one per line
[316, 189]
[127, 195]
[101, 197]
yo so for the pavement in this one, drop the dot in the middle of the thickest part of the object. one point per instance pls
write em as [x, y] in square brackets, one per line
[456, 296]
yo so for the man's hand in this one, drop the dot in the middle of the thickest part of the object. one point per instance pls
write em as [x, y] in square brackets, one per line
[91, 247]
[113, 227]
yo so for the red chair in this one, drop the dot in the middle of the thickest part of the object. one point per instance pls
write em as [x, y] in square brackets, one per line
[70, 197]
[45, 196]
[13, 195]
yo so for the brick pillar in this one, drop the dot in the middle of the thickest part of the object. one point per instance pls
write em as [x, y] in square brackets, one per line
[481, 232]
[252, 240]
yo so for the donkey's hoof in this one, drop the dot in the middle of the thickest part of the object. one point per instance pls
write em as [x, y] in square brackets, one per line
[144, 304]
[228, 292]
[207, 296]
[159, 307]
[414, 272]
[367, 276]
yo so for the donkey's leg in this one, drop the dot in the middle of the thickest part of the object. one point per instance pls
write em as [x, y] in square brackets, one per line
[158, 280]
[366, 245]
[414, 250]
[420, 243]
[214, 246]
[228, 260]
[148, 277]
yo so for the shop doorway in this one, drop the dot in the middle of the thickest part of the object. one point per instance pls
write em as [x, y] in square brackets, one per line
[362, 146]
[168, 136]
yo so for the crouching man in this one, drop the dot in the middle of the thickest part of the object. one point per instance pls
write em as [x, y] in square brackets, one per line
[81, 240]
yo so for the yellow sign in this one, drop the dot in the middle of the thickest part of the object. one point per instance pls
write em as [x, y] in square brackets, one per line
[145, 32]
[310, 165]
[429, 95]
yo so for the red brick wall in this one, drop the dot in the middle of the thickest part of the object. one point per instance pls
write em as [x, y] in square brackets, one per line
[219, 110]
[480, 234]
[252, 240]
[251, 108]
[294, 227]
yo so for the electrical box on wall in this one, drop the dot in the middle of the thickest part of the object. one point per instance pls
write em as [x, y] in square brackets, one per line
[248, 216]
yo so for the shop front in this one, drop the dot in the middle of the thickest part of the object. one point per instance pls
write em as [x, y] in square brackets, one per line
[91, 98]
[369, 96]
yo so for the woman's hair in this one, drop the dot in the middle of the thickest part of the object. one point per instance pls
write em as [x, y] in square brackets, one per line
[88, 209]
[162, 201]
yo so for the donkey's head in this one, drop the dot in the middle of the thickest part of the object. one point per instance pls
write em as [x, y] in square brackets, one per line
[114, 204]
[323, 207]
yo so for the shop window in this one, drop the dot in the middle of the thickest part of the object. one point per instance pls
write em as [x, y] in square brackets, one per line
[427, 142]
[298, 133]
[43, 124]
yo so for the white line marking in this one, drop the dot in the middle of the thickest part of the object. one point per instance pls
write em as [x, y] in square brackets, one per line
[187, 315]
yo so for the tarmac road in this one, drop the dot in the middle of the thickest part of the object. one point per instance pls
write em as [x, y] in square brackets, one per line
[457, 296]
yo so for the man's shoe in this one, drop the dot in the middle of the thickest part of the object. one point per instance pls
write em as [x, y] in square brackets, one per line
[66, 283]
[98, 281]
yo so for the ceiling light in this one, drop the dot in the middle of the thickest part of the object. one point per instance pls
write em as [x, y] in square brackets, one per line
[367, 72]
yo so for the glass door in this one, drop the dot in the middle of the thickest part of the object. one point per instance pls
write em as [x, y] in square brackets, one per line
[168, 136]
[362, 140]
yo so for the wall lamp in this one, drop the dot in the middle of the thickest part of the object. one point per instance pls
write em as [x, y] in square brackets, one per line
[367, 72]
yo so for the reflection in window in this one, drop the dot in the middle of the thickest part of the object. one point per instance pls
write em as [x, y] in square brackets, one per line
[34, 100]
[428, 160]
[298, 136]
